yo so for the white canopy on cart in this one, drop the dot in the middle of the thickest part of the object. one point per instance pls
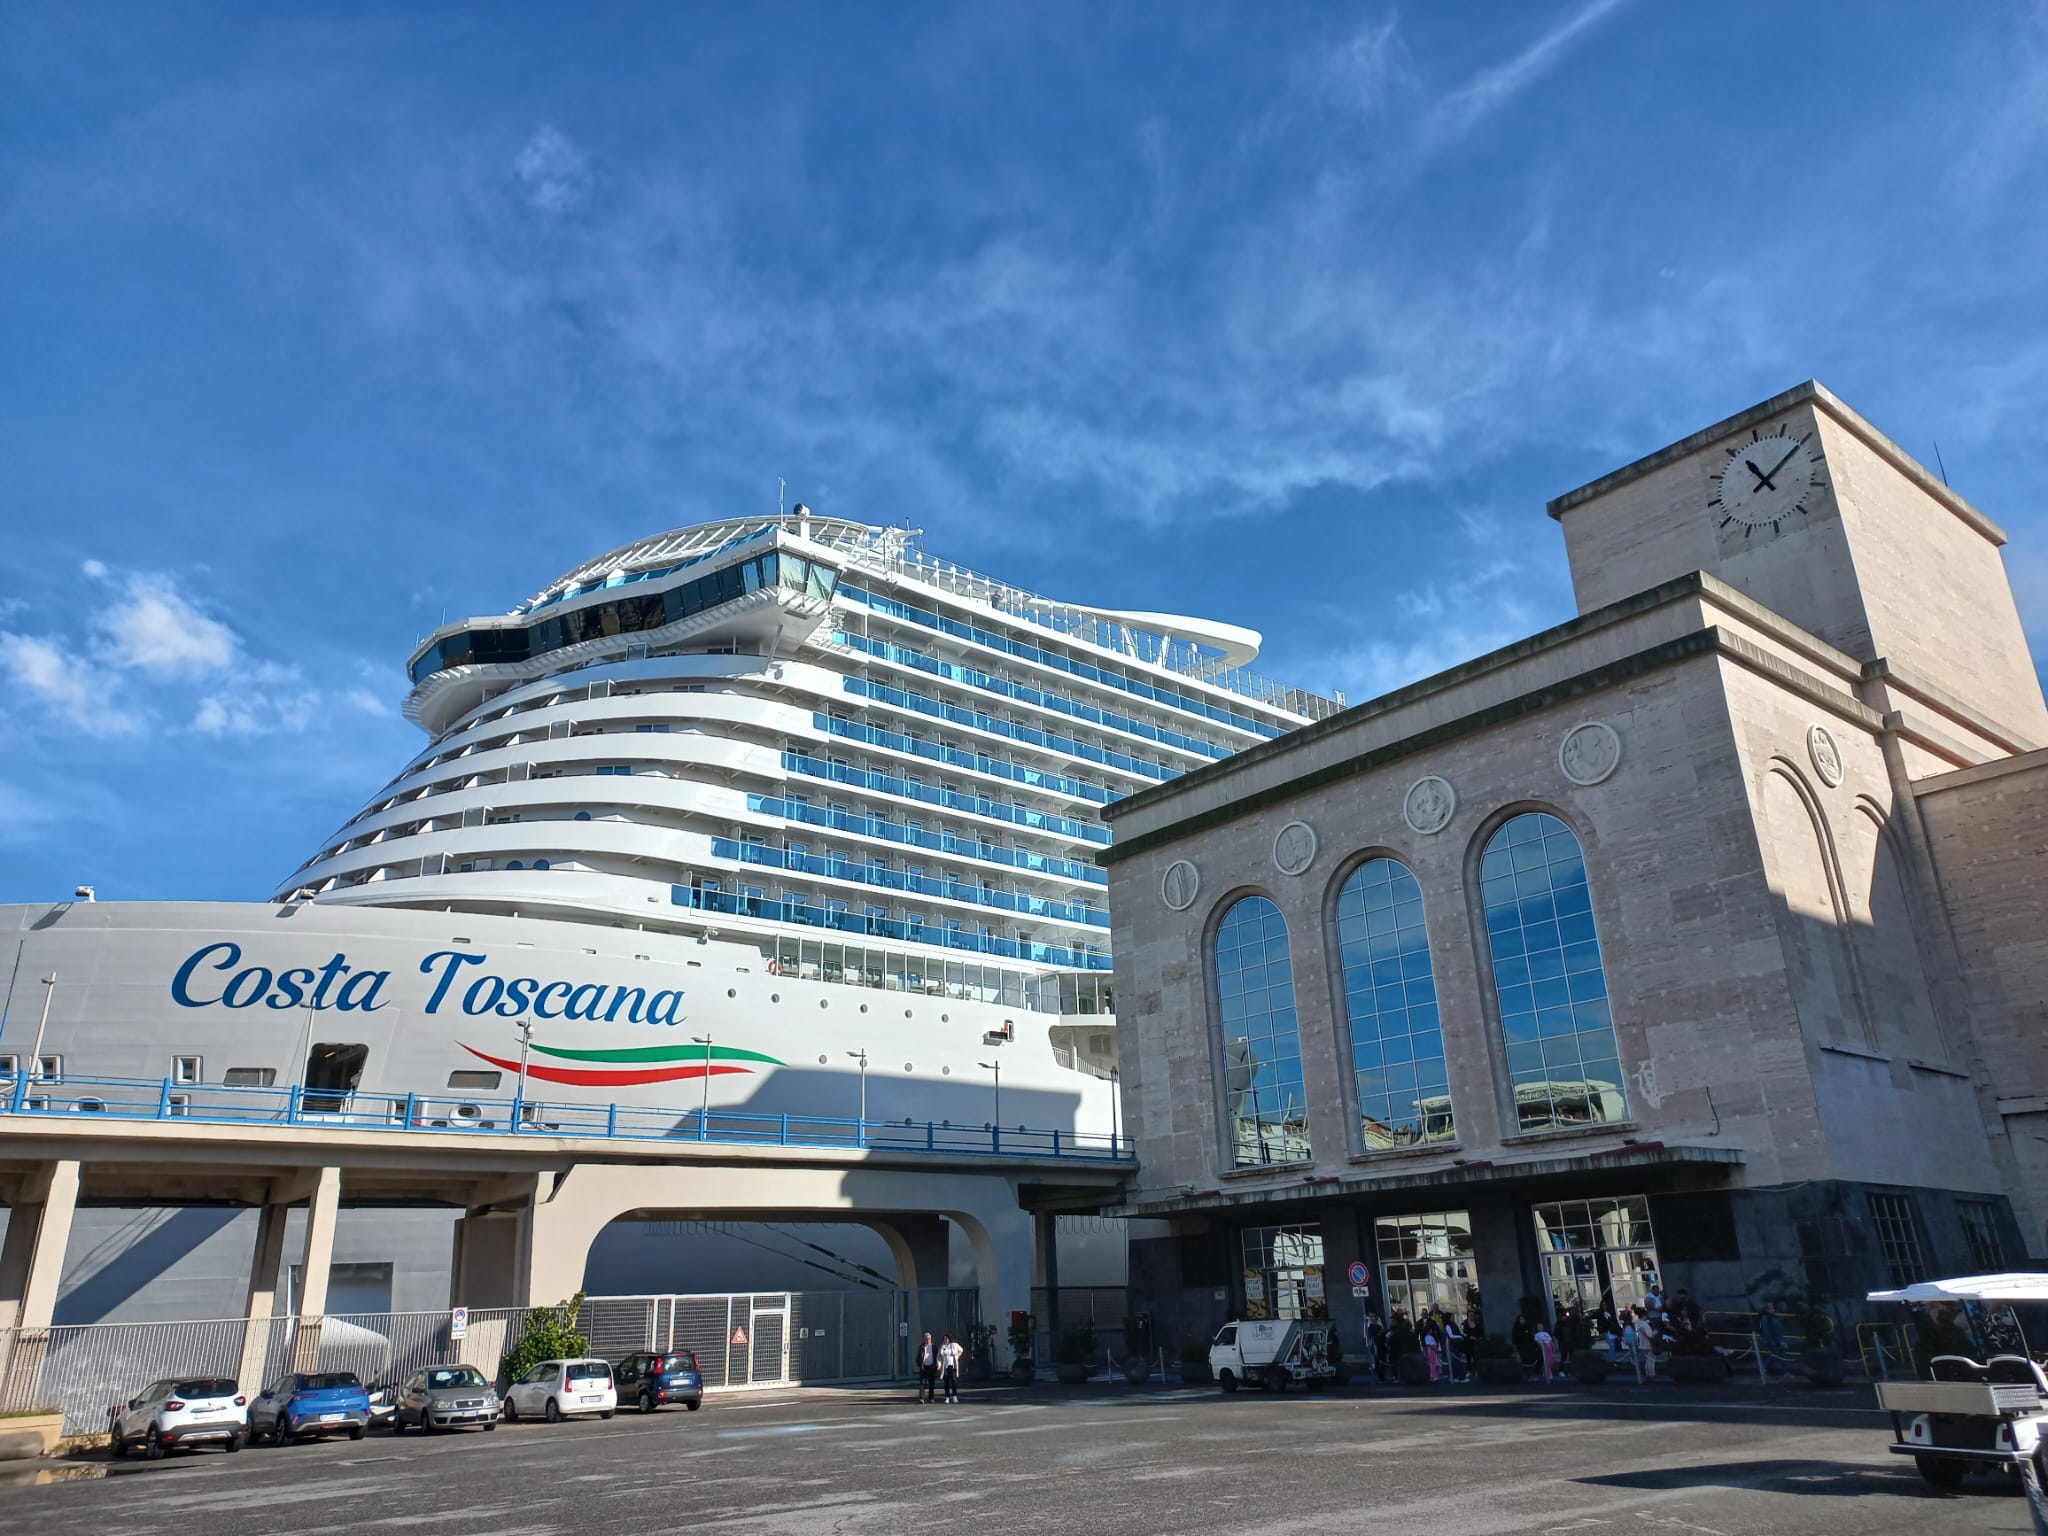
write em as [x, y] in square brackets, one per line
[2014, 1287]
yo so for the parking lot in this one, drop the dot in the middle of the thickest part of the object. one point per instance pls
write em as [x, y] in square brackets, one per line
[1077, 1463]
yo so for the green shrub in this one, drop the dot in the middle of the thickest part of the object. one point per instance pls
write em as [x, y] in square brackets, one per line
[1076, 1344]
[550, 1334]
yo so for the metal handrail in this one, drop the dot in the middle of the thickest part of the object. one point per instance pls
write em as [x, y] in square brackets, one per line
[142, 1099]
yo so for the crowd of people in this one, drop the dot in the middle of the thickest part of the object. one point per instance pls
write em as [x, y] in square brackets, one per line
[1639, 1335]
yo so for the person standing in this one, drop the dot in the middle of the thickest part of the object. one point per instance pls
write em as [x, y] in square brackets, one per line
[949, 1369]
[928, 1371]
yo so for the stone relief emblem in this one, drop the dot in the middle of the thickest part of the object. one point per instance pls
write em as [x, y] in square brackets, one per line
[1429, 804]
[1827, 757]
[1294, 848]
[1589, 752]
[1180, 885]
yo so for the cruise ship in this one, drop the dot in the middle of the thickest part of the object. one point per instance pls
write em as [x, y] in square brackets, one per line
[776, 815]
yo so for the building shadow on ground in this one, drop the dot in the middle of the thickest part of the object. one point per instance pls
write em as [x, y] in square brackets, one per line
[1830, 1479]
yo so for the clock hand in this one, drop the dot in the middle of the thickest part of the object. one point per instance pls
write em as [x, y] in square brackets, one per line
[1763, 480]
[1768, 479]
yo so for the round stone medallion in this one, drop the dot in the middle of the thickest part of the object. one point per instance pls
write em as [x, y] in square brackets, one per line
[1429, 804]
[1180, 885]
[1827, 757]
[1589, 752]
[1294, 848]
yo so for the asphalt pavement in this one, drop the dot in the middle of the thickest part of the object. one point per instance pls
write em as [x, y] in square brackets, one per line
[1078, 1462]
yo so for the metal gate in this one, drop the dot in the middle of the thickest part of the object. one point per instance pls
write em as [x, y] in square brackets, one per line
[781, 1338]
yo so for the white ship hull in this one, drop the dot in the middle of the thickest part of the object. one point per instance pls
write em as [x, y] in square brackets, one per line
[615, 1015]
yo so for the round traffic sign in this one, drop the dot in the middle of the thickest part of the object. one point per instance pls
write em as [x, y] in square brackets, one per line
[1360, 1275]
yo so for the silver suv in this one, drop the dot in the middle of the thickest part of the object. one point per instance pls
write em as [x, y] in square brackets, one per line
[182, 1411]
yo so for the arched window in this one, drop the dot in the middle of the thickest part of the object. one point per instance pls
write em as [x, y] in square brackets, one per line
[515, 864]
[1548, 976]
[540, 863]
[583, 815]
[1261, 1038]
[1397, 1040]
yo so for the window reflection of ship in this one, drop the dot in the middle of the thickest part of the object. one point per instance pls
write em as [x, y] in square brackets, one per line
[1279, 1134]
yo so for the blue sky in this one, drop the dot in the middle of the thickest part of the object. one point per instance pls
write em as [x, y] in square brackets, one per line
[320, 325]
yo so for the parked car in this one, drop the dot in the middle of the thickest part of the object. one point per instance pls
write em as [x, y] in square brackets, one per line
[556, 1389]
[443, 1396]
[182, 1411]
[309, 1403]
[650, 1380]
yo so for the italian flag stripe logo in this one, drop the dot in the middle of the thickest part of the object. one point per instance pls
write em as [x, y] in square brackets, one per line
[632, 1067]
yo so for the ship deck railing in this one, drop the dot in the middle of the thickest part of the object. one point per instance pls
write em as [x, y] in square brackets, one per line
[27, 1097]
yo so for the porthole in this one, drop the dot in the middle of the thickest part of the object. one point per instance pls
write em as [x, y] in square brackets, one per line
[863, 1007]
[945, 1018]
[821, 1061]
[732, 992]
[824, 1002]
[906, 1066]
[906, 1013]
[774, 997]
[945, 1071]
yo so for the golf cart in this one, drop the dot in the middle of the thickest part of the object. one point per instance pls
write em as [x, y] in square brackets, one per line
[1989, 1415]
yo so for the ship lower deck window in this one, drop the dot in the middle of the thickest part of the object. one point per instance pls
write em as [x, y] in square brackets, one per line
[483, 1080]
[50, 1068]
[249, 1077]
[332, 1073]
[185, 1069]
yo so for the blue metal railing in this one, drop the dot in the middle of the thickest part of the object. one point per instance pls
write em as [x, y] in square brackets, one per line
[120, 1098]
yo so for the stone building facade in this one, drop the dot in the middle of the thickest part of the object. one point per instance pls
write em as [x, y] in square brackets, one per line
[1698, 939]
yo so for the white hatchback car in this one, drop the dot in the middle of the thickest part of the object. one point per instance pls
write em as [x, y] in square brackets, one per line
[556, 1389]
[181, 1411]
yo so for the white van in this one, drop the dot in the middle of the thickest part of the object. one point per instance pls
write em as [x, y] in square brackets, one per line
[1272, 1352]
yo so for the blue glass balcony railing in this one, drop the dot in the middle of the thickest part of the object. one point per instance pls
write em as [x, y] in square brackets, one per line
[834, 866]
[810, 915]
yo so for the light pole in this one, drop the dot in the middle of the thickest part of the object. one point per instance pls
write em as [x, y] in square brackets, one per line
[519, 1088]
[704, 1114]
[34, 1064]
[996, 1067]
[1115, 1093]
[861, 1056]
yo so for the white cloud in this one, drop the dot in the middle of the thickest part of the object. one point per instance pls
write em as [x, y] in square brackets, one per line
[96, 569]
[552, 170]
[368, 703]
[1464, 109]
[158, 631]
[73, 688]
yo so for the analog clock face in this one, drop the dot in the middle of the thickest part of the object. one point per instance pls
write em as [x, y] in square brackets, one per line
[1766, 482]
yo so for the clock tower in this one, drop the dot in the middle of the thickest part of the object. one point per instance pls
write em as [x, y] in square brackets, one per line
[1802, 505]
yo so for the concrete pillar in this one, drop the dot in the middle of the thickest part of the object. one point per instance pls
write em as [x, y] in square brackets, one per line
[490, 1259]
[262, 1300]
[31, 1265]
[1049, 1265]
[316, 1258]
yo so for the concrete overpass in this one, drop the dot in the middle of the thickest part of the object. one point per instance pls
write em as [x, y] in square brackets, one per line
[532, 1202]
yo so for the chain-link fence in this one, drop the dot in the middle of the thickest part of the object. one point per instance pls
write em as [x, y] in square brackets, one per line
[745, 1339]
[778, 1338]
[86, 1368]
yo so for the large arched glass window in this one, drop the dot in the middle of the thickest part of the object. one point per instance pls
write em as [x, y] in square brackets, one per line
[1261, 1037]
[1397, 1039]
[1548, 976]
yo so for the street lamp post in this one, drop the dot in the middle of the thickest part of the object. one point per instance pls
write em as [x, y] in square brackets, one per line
[704, 1114]
[34, 1064]
[519, 1088]
[1115, 1094]
[997, 1068]
[861, 1056]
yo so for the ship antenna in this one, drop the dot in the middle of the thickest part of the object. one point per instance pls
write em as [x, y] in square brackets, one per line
[781, 495]
[1937, 461]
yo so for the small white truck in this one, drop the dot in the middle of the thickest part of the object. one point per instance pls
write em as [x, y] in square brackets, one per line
[1272, 1353]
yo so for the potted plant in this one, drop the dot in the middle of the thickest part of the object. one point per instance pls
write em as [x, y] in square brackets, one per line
[1023, 1348]
[1495, 1361]
[1194, 1360]
[1589, 1366]
[981, 1343]
[1074, 1354]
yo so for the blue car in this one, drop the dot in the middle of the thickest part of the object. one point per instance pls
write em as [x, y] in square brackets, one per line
[309, 1403]
[652, 1380]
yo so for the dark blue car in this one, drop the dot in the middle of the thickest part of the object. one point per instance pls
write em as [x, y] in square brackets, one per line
[651, 1380]
[309, 1403]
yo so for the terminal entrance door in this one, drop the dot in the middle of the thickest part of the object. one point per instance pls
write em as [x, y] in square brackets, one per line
[766, 1352]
